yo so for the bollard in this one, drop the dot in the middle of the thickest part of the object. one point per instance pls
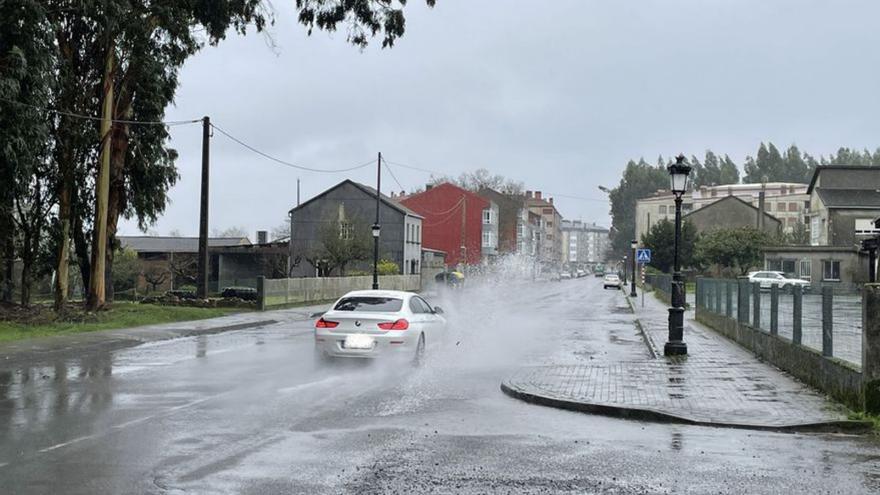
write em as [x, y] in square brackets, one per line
[774, 310]
[797, 304]
[742, 301]
[871, 347]
[729, 287]
[756, 303]
[827, 321]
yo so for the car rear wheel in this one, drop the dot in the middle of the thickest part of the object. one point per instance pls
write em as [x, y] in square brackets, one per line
[419, 358]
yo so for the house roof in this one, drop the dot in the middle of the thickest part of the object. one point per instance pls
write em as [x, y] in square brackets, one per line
[369, 191]
[820, 168]
[438, 189]
[159, 244]
[849, 198]
[729, 198]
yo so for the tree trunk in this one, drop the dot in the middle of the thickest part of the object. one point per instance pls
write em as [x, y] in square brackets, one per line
[81, 247]
[64, 213]
[27, 257]
[97, 295]
[7, 251]
[117, 200]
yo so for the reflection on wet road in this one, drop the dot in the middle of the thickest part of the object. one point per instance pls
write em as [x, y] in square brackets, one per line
[252, 412]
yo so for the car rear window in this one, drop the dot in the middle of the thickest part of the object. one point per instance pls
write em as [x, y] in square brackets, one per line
[367, 304]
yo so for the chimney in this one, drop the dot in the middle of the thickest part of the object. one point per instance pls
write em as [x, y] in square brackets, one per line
[537, 194]
[262, 237]
[529, 194]
[551, 201]
[428, 187]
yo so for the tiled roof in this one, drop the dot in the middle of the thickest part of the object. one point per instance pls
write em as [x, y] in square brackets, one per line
[849, 198]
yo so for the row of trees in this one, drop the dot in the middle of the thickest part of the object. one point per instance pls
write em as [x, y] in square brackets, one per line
[733, 251]
[641, 179]
[82, 85]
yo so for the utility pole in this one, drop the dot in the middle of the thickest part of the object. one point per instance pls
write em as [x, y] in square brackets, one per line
[377, 226]
[202, 286]
[297, 191]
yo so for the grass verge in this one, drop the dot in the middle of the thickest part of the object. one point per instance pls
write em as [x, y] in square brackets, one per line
[43, 322]
[862, 416]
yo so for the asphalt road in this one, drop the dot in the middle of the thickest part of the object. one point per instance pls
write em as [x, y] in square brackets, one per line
[252, 412]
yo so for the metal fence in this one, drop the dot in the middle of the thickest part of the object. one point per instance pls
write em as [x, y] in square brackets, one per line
[660, 282]
[825, 319]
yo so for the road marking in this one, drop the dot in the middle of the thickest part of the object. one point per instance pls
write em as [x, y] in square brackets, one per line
[303, 386]
[64, 444]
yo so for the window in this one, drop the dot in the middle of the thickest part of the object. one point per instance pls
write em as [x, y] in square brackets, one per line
[806, 268]
[415, 305]
[418, 234]
[346, 231]
[814, 231]
[369, 304]
[780, 206]
[487, 217]
[788, 267]
[831, 270]
[792, 207]
[774, 265]
[662, 209]
[487, 239]
[769, 206]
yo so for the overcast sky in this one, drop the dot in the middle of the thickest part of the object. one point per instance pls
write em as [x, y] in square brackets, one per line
[557, 94]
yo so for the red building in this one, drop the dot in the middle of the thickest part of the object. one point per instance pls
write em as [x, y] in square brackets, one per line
[453, 221]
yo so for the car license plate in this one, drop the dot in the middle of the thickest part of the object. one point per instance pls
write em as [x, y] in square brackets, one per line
[358, 341]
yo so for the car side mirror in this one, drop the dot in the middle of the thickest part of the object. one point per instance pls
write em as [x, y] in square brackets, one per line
[438, 310]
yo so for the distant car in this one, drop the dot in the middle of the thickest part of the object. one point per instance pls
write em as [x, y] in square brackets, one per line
[374, 323]
[611, 280]
[581, 273]
[768, 279]
[565, 276]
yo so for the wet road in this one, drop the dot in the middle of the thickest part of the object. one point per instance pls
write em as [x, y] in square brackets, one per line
[251, 412]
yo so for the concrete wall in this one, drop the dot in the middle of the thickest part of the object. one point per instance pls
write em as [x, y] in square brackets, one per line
[832, 376]
[284, 291]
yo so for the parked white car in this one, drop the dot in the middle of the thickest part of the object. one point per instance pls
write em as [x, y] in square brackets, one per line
[374, 323]
[611, 280]
[768, 279]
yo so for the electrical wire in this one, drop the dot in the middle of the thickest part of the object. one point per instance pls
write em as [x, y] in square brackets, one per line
[167, 123]
[286, 163]
[391, 172]
[414, 168]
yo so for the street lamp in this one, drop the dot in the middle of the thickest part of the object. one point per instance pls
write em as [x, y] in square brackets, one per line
[675, 346]
[624, 270]
[376, 228]
[632, 290]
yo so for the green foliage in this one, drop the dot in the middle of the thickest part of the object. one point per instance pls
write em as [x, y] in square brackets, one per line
[639, 180]
[773, 166]
[342, 243]
[661, 241]
[120, 315]
[126, 269]
[363, 19]
[739, 248]
[388, 267]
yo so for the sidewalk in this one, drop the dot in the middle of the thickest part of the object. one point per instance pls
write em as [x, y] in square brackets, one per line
[30, 351]
[717, 384]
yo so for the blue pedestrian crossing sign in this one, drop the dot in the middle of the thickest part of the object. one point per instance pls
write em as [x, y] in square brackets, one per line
[643, 255]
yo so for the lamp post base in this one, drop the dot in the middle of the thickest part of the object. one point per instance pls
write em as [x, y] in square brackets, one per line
[675, 349]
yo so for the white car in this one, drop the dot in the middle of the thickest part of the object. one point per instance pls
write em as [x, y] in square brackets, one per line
[768, 279]
[611, 280]
[373, 323]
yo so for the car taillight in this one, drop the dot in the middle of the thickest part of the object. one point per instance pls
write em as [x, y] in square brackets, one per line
[400, 324]
[322, 323]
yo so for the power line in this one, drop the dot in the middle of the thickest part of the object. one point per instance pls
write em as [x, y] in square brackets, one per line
[415, 168]
[391, 172]
[286, 163]
[65, 113]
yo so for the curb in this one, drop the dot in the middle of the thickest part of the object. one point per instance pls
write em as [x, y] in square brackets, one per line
[649, 341]
[645, 414]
